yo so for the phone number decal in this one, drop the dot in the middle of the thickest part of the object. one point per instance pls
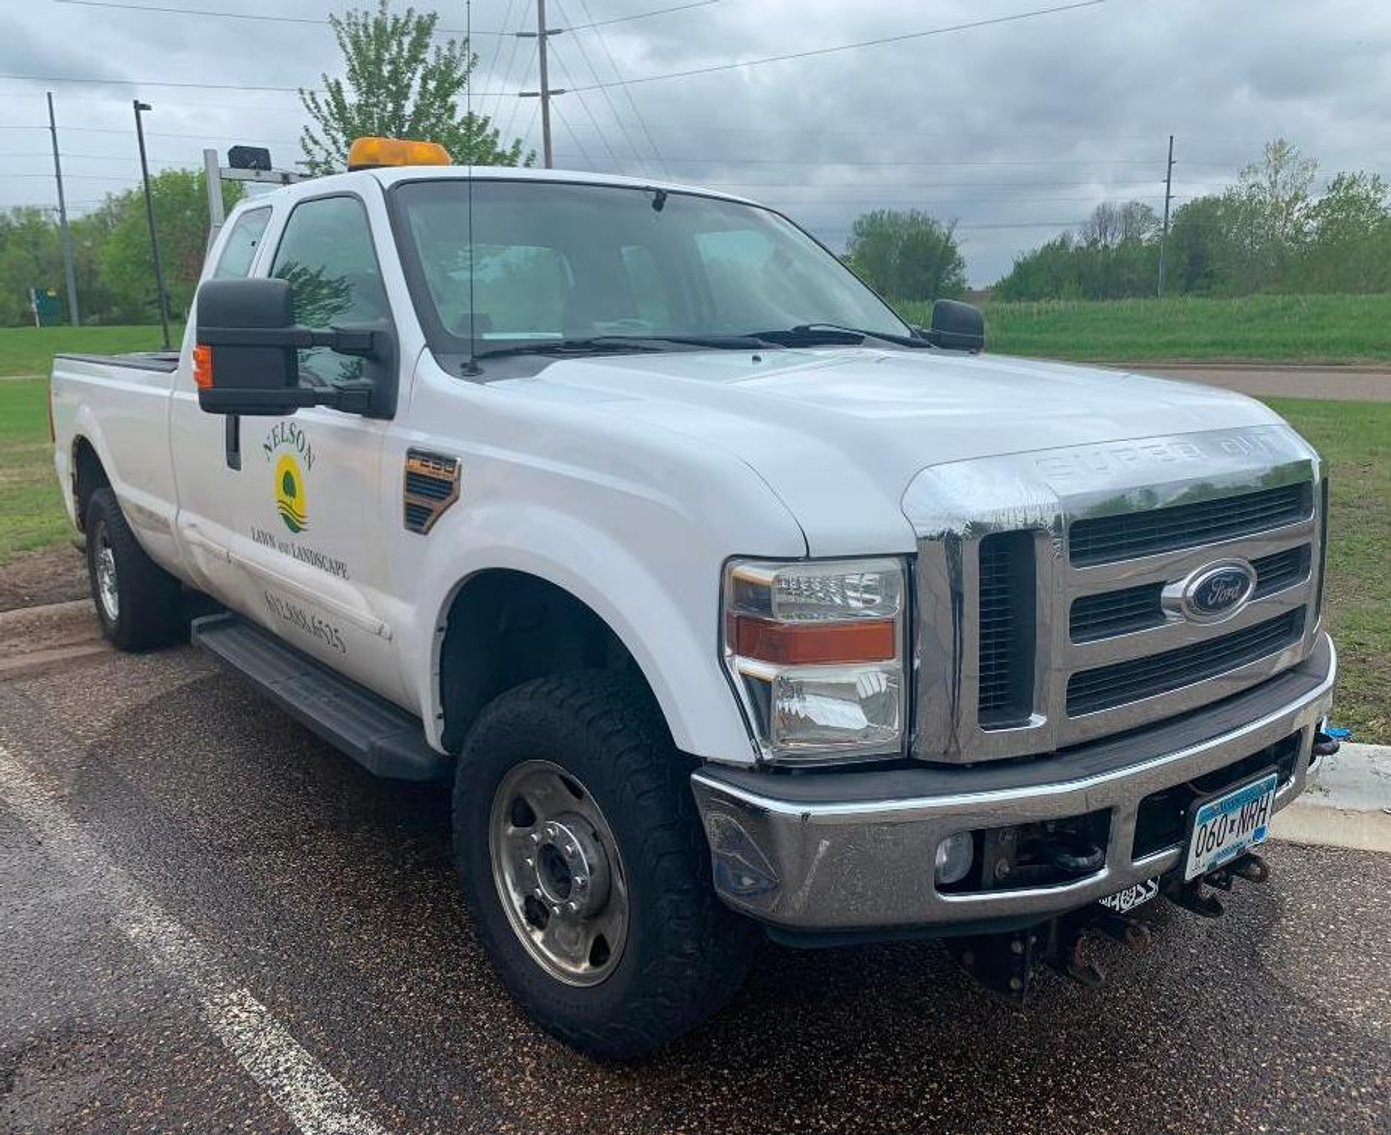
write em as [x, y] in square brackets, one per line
[306, 622]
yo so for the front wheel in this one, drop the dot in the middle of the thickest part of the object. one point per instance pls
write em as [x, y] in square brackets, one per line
[583, 862]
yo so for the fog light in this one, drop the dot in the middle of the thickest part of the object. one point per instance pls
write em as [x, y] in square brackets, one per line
[954, 856]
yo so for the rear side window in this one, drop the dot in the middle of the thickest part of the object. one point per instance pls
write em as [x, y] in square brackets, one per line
[242, 242]
[326, 254]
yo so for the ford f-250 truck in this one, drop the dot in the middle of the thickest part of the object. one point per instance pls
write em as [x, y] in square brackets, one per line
[728, 601]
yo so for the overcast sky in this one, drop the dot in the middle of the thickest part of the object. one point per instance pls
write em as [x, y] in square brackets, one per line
[1014, 130]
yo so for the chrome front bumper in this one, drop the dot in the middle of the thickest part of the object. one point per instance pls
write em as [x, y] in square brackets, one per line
[853, 852]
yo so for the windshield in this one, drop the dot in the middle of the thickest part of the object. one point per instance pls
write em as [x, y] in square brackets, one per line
[558, 262]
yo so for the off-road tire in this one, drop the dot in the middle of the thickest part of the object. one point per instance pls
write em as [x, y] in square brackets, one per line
[686, 954]
[149, 608]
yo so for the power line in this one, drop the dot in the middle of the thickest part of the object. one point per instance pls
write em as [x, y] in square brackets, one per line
[639, 15]
[497, 47]
[146, 83]
[172, 10]
[712, 69]
[175, 10]
[163, 134]
[604, 94]
[593, 121]
[573, 136]
[613, 63]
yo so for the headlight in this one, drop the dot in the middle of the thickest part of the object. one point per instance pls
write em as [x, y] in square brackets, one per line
[815, 651]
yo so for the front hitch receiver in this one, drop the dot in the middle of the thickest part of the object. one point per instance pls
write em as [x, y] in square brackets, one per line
[1008, 963]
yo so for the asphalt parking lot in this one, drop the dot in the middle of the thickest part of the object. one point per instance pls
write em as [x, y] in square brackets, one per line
[213, 922]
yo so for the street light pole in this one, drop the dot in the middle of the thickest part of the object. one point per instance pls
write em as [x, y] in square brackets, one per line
[150, 215]
[73, 316]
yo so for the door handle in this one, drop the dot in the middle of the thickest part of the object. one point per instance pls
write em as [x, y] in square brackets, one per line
[232, 437]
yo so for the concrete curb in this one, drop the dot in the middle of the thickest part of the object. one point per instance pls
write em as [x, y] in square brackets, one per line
[1348, 803]
[35, 639]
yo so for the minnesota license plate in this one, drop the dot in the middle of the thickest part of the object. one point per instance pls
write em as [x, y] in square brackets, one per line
[1226, 826]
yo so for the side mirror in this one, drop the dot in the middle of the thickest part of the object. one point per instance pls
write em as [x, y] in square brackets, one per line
[956, 326]
[246, 357]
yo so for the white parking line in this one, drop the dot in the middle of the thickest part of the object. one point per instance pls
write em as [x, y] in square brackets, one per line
[304, 1089]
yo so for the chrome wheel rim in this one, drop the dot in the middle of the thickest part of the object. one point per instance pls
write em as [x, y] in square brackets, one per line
[558, 873]
[107, 595]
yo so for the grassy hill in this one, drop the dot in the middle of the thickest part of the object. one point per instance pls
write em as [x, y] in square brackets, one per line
[1337, 329]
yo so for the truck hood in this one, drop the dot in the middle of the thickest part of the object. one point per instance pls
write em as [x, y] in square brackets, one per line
[838, 433]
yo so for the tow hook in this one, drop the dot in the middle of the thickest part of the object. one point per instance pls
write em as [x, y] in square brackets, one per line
[1324, 745]
[1191, 895]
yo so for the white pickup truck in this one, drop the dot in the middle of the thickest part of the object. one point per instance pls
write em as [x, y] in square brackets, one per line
[728, 602]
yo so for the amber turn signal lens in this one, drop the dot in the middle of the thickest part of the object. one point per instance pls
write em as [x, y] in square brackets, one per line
[801, 644]
[203, 367]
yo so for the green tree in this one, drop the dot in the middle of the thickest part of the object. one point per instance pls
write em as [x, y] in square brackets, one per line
[1348, 247]
[30, 257]
[398, 86]
[126, 262]
[907, 255]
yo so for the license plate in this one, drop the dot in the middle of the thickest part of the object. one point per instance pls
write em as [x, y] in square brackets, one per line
[1127, 900]
[1227, 825]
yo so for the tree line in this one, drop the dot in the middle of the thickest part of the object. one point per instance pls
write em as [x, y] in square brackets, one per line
[1267, 232]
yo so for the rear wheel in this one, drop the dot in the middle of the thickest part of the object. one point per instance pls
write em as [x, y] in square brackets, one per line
[138, 602]
[585, 867]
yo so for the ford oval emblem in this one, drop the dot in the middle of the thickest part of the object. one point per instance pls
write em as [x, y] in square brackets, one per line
[1213, 592]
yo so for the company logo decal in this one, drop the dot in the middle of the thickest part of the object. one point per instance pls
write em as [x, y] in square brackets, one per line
[1212, 593]
[289, 493]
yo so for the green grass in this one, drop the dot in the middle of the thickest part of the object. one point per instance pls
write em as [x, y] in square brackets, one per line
[30, 350]
[1355, 440]
[1337, 329]
[31, 506]
[1354, 437]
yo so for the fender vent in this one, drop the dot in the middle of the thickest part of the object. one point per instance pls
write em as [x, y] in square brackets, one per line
[432, 485]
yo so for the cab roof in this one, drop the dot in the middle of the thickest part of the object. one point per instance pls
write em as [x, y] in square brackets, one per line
[387, 176]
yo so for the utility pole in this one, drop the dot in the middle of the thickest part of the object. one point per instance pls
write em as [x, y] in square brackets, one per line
[541, 34]
[150, 215]
[73, 317]
[1168, 194]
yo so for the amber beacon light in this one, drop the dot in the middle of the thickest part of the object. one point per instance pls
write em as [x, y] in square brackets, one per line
[375, 153]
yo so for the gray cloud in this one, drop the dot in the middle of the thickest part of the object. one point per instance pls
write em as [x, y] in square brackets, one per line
[1012, 130]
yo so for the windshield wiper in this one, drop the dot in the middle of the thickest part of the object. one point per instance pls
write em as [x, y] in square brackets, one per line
[832, 334]
[607, 344]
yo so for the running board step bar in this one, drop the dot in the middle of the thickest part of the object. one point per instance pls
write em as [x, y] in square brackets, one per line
[383, 738]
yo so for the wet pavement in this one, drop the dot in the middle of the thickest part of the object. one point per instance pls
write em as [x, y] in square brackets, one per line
[213, 922]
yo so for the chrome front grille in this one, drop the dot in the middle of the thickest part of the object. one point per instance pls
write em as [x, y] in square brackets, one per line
[1007, 625]
[1152, 674]
[1110, 613]
[1106, 539]
[1042, 577]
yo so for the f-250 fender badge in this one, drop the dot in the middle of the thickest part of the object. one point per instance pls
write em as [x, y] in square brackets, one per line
[431, 486]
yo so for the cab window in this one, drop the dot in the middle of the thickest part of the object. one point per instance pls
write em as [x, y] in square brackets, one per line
[242, 242]
[326, 254]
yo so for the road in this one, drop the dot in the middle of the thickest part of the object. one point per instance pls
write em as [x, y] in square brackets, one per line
[1336, 384]
[213, 922]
